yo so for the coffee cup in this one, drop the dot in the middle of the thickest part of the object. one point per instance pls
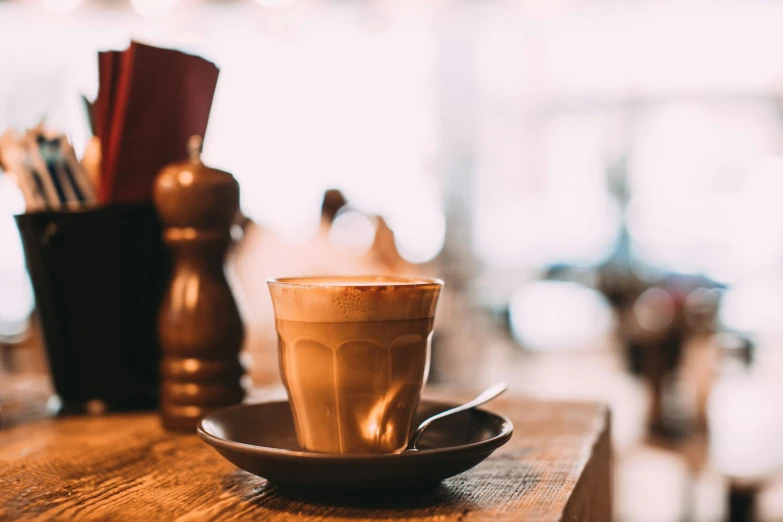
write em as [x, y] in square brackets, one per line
[354, 354]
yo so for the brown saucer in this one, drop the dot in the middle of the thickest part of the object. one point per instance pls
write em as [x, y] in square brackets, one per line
[260, 439]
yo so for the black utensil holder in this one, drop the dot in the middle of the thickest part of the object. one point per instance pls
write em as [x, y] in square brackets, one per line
[98, 277]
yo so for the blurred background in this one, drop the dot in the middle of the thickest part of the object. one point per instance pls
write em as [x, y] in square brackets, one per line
[596, 181]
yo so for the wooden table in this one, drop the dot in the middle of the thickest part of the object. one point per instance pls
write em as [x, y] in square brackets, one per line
[556, 467]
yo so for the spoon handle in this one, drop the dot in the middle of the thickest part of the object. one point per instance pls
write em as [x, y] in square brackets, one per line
[485, 396]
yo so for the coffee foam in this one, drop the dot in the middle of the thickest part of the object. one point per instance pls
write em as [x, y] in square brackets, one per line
[348, 299]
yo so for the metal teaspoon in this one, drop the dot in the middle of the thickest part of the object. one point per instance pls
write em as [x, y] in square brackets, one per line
[485, 396]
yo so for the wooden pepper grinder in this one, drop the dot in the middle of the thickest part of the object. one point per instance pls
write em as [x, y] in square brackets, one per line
[199, 325]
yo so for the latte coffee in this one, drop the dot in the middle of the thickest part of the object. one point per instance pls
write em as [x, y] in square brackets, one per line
[354, 355]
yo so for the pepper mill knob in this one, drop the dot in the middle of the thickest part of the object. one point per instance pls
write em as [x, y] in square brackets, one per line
[199, 325]
[195, 144]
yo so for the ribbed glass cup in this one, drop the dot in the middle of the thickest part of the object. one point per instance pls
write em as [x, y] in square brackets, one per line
[354, 355]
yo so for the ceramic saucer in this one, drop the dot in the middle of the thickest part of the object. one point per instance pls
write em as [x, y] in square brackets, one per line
[260, 439]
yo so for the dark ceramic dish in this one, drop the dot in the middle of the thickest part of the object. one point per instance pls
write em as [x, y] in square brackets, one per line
[260, 438]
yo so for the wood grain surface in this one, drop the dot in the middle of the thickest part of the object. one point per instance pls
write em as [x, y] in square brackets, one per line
[557, 467]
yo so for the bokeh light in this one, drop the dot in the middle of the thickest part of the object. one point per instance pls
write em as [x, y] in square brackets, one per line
[558, 315]
[61, 6]
[274, 3]
[753, 307]
[419, 231]
[352, 231]
[153, 8]
[654, 309]
[744, 426]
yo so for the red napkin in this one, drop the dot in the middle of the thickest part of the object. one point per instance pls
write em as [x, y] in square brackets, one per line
[150, 102]
[107, 80]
